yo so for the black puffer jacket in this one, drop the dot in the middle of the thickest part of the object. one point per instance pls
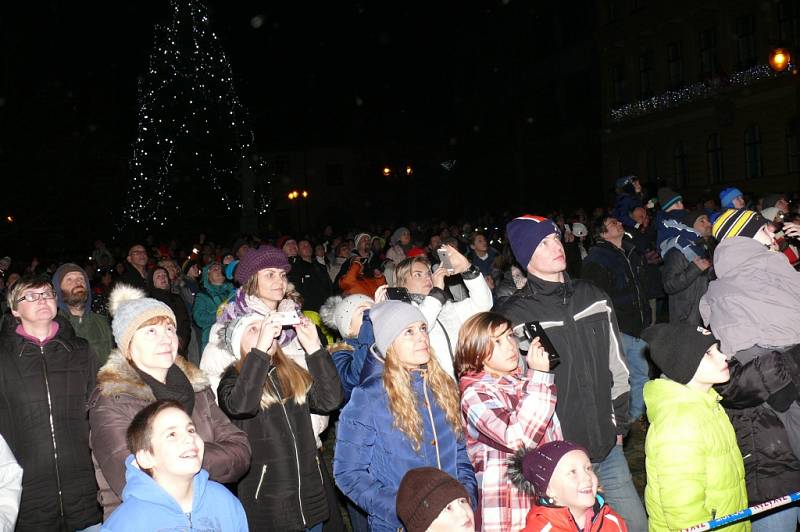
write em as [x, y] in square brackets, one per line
[592, 378]
[618, 272]
[37, 382]
[283, 491]
[685, 284]
[771, 469]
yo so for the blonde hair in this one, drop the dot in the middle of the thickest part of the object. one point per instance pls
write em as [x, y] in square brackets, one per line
[403, 402]
[294, 381]
[403, 270]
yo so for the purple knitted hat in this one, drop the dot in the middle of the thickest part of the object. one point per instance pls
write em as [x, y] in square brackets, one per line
[531, 469]
[255, 260]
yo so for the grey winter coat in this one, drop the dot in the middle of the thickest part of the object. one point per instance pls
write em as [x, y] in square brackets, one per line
[685, 284]
[755, 299]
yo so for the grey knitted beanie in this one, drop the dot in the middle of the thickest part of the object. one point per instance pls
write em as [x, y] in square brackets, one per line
[131, 308]
[389, 319]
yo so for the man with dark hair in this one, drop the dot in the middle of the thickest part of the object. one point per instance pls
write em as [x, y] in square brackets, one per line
[73, 298]
[46, 376]
[309, 277]
[592, 378]
[614, 265]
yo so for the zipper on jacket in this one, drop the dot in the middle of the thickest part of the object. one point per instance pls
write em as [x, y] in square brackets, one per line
[296, 453]
[319, 468]
[433, 425]
[636, 286]
[261, 479]
[52, 432]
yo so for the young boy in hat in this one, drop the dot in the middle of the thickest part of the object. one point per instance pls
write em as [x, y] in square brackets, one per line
[431, 500]
[166, 489]
[695, 471]
[559, 477]
[672, 232]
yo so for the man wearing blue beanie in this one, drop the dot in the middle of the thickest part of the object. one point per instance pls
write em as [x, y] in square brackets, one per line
[732, 198]
[591, 378]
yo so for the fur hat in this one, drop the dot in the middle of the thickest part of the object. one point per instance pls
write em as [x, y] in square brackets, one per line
[255, 260]
[389, 318]
[678, 348]
[531, 469]
[737, 223]
[423, 493]
[526, 232]
[337, 312]
[232, 332]
[131, 308]
[727, 196]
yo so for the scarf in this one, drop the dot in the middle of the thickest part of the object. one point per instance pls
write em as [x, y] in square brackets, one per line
[177, 387]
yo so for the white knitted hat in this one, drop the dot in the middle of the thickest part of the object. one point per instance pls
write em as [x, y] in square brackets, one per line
[337, 312]
[131, 308]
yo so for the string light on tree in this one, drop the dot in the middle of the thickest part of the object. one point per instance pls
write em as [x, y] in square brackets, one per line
[193, 143]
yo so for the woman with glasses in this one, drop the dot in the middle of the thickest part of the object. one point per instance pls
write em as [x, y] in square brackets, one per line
[444, 315]
[46, 376]
[404, 415]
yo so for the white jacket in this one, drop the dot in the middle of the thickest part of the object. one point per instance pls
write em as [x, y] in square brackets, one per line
[217, 358]
[10, 488]
[444, 321]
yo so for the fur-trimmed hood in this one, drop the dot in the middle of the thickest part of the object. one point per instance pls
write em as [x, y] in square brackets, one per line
[118, 377]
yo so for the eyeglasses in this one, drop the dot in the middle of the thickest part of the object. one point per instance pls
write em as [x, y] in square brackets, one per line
[36, 296]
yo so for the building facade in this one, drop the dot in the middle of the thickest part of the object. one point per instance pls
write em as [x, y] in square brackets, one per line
[689, 100]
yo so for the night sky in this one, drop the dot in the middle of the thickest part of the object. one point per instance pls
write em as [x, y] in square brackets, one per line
[435, 76]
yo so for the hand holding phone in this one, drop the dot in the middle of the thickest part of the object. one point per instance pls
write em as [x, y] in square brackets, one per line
[398, 293]
[444, 259]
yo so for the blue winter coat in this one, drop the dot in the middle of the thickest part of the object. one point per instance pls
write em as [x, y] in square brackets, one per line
[349, 359]
[673, 233]
[372, 455]
[625, 204]
[147, 506]
[206, 303]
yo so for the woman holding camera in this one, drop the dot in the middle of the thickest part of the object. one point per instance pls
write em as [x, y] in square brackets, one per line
[445, 316]
[271, 397]
[404, 415]
[504, 409]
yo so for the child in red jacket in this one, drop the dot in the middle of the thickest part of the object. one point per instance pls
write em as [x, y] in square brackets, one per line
[559, 476]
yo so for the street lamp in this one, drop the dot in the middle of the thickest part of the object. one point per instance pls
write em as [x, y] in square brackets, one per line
[780, 59]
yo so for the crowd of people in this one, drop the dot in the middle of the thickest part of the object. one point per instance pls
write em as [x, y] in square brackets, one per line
[469, 377]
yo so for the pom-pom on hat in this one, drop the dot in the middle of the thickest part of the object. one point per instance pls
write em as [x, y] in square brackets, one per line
[423, 493]
[131, 309]
[337, 312]
[232, 332]
[678, 348]
[727, 196]
[389, 318]
[526, 232]
[737, 223]
[531, 469]
[255, 260]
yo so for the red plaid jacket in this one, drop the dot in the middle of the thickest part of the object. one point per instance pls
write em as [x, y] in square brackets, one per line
[502, 415]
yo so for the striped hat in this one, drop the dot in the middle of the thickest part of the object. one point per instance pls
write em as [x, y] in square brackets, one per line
[526, 232]
[739, 222]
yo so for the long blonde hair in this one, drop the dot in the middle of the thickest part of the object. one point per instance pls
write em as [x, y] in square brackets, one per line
[403, 401]
[293, 379]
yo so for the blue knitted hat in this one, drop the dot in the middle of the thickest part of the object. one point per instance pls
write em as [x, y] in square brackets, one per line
[727, 196]
[526, 232]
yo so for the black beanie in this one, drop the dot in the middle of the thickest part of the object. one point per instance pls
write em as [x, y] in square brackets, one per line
[678, 348]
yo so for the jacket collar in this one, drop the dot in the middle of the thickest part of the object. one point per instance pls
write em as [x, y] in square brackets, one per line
[117, 377]
[539, 287]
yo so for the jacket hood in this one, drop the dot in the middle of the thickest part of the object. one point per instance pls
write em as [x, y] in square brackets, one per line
[59, 274]
[373, 365]
[117, 376]
[223, 289]
[662, 396]
[140, 485]
[739, 253]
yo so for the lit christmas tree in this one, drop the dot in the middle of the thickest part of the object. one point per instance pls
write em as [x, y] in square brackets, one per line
[194, 155]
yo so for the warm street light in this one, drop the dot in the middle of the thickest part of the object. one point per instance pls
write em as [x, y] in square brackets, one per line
[294, 194]
[387, 171]
[305, 193]
[780, 59]
[409, 170]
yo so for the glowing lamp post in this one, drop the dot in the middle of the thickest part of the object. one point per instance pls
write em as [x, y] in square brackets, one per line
[780, 59]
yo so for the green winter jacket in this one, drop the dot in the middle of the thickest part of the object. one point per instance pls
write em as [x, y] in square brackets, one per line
[95, 329]
[206, 304]
[694, 468]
